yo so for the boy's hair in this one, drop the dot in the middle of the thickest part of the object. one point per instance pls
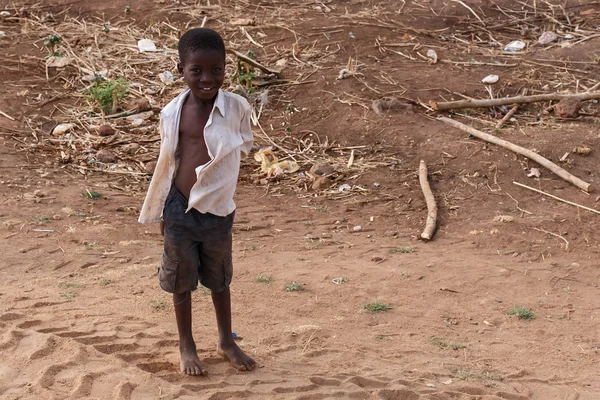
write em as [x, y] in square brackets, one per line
[200, 38]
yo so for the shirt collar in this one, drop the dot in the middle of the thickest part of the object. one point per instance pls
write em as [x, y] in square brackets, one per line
[177, 103]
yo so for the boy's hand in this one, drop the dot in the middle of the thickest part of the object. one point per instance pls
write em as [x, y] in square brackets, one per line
[162, 228]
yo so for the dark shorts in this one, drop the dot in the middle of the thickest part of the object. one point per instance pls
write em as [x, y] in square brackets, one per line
[197, 248]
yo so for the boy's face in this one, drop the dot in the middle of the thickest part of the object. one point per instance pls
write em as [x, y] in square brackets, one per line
[204, 72]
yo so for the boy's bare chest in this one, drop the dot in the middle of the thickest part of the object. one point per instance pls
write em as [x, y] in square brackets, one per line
[192, 144]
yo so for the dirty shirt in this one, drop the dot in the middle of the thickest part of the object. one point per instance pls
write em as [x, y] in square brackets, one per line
[228, 136]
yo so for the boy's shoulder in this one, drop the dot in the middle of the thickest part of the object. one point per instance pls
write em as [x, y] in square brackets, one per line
[175, 104]
[236, 101]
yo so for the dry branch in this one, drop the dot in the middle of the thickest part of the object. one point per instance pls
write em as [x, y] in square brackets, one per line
[510, 113]
[254, 63]
[520, 150]
[557, 198]
[454, 105]
[431, 223]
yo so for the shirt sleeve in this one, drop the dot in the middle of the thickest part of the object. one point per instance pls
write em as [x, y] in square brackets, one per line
[246, 132]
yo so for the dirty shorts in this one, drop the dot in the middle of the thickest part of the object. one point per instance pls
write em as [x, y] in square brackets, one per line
[197, 248]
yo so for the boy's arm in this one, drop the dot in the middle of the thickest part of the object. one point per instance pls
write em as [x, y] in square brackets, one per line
[246, 131]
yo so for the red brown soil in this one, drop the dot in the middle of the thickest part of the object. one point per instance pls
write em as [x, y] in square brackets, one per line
[82, 316]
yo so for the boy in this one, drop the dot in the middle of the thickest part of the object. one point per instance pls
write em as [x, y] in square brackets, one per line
[204, 132]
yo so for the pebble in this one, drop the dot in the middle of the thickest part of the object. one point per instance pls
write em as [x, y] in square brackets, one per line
[105, 156]
[150, 167]
[106, 130]
[357, 228]
[391, 233]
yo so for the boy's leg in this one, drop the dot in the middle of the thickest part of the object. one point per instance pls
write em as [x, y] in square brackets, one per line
[189, 362]
[228, 348]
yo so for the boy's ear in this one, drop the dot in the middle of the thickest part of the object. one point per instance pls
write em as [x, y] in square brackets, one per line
[180, 68]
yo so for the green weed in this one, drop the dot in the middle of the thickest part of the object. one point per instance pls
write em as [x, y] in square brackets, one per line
[158, 305]
[446, 344]
[92, 195]
[294, 287]
[42, 219]
[105, 282]
[69, 285]
[401, 250]
[377, 307]
[264, 278]
[522, 312]
[69, 295]
[104, 93]
[51, 43]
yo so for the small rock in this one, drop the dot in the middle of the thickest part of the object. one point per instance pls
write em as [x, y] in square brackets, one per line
[390, 233]
[320, 183]
[517, 45]
[377, 259]
[322, 169]
[130, 148]
[2, 34]
[142, 105]
[123, 260]
[56, 217]
[150, 167]
[105, 156]
[137, 122]
[61, 129]
[547, 38]
[534, 173]
[490, 79]
[568, 108]
[357, 228]
[432, 55]
[145, 45]
[448, 382]
[167, 78]
[106, 130]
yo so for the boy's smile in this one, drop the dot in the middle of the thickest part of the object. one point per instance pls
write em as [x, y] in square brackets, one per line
[204, 72]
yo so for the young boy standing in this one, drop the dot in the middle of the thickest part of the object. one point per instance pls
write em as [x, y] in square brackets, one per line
[204, 133]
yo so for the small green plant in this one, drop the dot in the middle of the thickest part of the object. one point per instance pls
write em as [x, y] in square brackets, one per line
[377, 307]
[51, 43]
[245, 73]
[92, 195]
[127, 10]
[294, 287]
[252, 247]
[264, 278]
[105, 93]
[379, 337]
[446, 344]
[158, 305]
[105, 282]
[69, 295]
[69, 285]
[464, 374]
[42, 219]
[523, 313]
[401, 250]
[291, 108]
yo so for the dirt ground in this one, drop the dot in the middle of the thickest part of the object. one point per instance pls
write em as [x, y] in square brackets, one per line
[81, 313]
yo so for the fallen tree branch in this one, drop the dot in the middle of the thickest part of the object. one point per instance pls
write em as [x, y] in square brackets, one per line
[431, 223]
[254, 63]
[510, 113]
[520, 150]
[454, 105]
[557, 198]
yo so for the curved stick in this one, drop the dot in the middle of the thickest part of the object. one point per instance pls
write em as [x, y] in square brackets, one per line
[431, 223]
[520, 150]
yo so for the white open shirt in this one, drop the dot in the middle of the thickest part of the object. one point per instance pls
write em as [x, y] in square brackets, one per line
[228, 136]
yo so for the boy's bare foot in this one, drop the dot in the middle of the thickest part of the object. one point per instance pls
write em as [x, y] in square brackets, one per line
[190, 364]
[236, 356]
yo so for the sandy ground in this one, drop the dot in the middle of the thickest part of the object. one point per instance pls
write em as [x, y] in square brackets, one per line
[82, 317]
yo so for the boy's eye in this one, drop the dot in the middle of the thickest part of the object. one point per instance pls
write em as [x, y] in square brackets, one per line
[217, 70]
